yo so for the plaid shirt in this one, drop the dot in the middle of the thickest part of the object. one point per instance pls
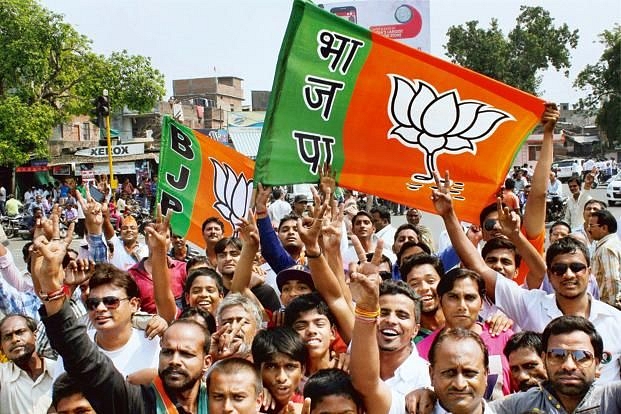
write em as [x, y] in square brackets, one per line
[14, 301]
[606, 267]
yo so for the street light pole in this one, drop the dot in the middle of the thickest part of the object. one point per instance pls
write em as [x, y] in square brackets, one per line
[105, 111]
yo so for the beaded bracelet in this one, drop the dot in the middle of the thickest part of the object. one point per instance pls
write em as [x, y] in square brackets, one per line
[54, 295]
[366, 313]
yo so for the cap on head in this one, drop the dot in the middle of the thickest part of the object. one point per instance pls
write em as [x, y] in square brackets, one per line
[297, 272]
[300, 198]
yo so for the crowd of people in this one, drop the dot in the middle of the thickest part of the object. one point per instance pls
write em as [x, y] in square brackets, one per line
[320, 309]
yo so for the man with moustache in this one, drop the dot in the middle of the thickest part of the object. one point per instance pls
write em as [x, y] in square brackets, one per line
[523, 352]
[183, 358]
[26, 380]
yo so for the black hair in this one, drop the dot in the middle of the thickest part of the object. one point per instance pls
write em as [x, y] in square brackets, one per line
[496, 243]
[383, 259]
[281, 340]
[192, 322]
[605, 218]
[31, 324]
[65, 386]
[331, 381]
[459, 334]
[107, 274]
[306, 303]
[566, 245]
[276, 193]
[409, 244]
[576, 179]
[419, 260]
[524, 339]
[210, 321]
[288, 217]
[197, 261]
[510, 184]
[592, 201]
[233, 366]
[569, 323]
[383, 212]
[405, 226]
[212, 220]
[399, 287]
[447, 282]
[206, 272]
[361, 213]
[487, 210]
[227, 241]
[560, 223]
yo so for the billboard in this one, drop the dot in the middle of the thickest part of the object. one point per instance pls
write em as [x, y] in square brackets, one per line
[406, 21]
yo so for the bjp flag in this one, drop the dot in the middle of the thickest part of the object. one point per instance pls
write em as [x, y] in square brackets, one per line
[200, 178]
[387, 116]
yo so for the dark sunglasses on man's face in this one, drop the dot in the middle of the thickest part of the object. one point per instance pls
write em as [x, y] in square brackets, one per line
[489, 224]
[559, 269]
[110, 302]
[581, 357]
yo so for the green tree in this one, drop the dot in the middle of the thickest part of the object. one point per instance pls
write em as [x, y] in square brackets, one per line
[603, 83]
[49, 68]
[533, 45]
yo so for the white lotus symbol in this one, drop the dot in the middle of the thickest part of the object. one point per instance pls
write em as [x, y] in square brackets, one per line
[233, 192]
[438, 123]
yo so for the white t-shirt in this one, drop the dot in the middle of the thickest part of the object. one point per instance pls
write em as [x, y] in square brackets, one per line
[534, 309]
[137, 354]
[277, 210]
[122, 259]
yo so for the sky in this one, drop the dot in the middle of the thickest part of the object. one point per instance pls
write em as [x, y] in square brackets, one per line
[202, 38]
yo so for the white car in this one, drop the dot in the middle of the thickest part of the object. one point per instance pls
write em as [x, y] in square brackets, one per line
[563, 168]
[613, 190]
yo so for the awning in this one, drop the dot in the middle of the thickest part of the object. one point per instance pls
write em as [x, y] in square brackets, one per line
[31, 168]
[113, 133]
[246, 140]
[583, 139]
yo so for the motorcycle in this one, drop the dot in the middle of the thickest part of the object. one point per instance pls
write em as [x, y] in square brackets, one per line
[11, 225]
[555, 208]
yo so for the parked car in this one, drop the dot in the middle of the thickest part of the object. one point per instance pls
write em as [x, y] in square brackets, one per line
[563, 168]
[613, 190]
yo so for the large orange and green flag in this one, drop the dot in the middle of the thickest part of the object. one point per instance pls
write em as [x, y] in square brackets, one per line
[387, 116]
[200, 178]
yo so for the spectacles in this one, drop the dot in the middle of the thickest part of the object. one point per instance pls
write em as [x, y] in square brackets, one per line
[489, 224]
[559, 269]
[581, 357]
[110, 302]
[593, 225]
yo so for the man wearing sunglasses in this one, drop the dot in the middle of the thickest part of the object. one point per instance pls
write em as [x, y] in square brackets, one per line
[572, 353]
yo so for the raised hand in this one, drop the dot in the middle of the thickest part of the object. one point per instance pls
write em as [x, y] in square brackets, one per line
[509, 220]
[157, 233]
[364, 276]
[263, 196]
[327, 179]
[309, 228]
[78, 271]
[332, 227]
[441, 196]
[48, 259]
[93, 215]
[248, 231]
[550, 117]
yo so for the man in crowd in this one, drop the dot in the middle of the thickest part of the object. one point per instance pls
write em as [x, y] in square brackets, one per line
[602, 227]
[582, 233]
[575, 203]
[13, 206]
[26, 380]
[300, 202]
[523, 351]
[67, 397]
[572, 353]
[240, 319]
[234, 385]
[380, 216]
[213, 231]
[279, 207]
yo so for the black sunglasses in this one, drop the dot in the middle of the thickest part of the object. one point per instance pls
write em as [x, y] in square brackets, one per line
[489, 224]
[581, 357]
[110, 302]
[559, 269]
[385, 275]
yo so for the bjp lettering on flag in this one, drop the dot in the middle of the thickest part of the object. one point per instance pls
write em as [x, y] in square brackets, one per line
[200, 178]
[387, 116]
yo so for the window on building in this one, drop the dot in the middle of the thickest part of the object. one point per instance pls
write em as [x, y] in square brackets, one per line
[533, 152]
[85, 131]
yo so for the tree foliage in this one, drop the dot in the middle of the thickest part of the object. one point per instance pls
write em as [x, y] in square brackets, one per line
[603, 83]
[533, 45]
[49, 68]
